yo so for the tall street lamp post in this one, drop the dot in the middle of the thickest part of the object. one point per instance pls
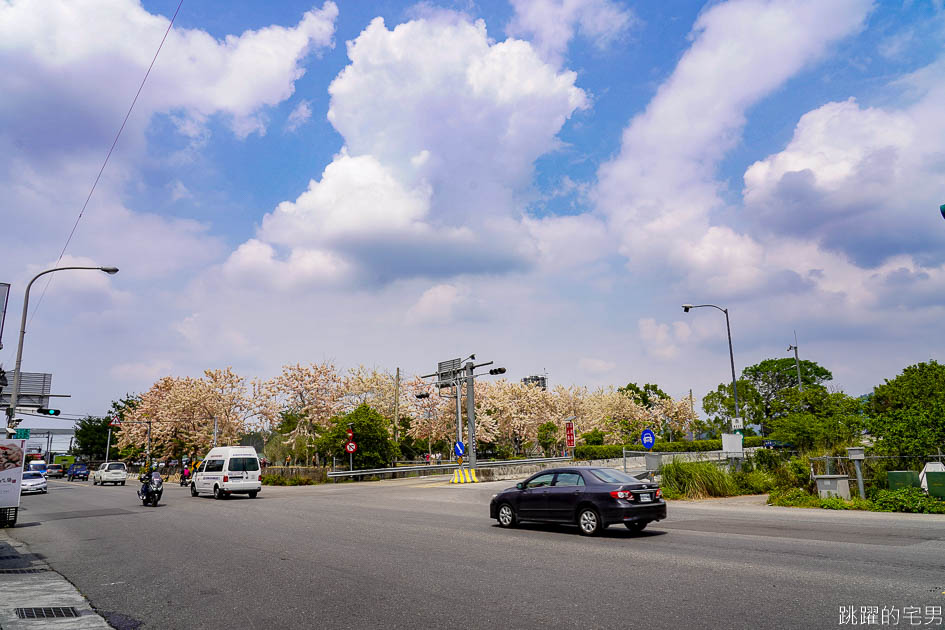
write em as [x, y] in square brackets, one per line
[737, 423]
[14, 394]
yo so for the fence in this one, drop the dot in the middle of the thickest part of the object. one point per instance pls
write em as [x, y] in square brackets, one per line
[439, 468]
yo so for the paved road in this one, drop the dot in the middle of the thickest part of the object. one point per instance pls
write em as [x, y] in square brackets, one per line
[422, 554]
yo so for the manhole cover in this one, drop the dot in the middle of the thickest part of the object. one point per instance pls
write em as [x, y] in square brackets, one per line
[52, 612]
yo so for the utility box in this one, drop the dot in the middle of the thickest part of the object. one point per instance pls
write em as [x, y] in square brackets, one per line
[856, 453]
[936, 483]
[899, 479]
[833, 486]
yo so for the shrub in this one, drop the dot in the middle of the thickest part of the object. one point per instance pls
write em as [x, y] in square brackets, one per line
[834, 503]
[613, 451]
[907, 500]
[273, 480]
[793, 497]
[696, 480]
[753, 482]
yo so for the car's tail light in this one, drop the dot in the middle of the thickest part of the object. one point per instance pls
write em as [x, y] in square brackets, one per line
[226, 478]
[622, 494]
[659, 492]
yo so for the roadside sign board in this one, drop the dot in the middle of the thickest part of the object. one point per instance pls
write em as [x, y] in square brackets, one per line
[569, 433]
[460, 449]
[22, 434]
[351, 447]
[648, 439]
[350, 434]
[12, 458]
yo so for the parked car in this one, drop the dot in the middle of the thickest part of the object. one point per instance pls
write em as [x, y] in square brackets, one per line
[228, 470]
[591, 498]
[55, 470]
[33, 481]
[110, 472]
[78, 471]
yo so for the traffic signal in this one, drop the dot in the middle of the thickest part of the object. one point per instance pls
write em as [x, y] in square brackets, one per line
[423, 395]
[495, 371]
[47, 412]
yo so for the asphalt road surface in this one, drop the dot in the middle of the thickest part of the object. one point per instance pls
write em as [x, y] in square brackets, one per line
[419, 553]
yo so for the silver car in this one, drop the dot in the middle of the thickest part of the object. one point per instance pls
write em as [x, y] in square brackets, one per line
[32, 482]
[110, 472]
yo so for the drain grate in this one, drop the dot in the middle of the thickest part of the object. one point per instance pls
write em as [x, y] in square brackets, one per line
[20, 571]
[53, 612]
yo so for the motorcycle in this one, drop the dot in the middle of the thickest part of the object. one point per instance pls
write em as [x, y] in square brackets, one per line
[151, 489]
[184, 480]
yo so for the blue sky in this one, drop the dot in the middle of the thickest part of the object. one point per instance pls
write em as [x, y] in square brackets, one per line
[542, 183]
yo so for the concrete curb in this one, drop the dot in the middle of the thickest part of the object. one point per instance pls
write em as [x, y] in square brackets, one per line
[38, 586]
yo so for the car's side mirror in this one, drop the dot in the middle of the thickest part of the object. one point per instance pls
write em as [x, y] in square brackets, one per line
[520, 485]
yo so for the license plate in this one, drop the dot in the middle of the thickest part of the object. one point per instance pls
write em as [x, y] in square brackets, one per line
[646, 498]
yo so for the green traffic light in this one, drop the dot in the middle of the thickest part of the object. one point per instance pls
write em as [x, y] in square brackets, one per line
[48, 412]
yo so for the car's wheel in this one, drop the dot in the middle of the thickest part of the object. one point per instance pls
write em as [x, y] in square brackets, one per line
[193, 490]
[253, 493]
[636, 527]
[217, 493]
[589, 521]
[94, 482]
[507, 516]
[122, 483]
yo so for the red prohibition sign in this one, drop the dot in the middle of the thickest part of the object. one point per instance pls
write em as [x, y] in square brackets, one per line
[351, 447]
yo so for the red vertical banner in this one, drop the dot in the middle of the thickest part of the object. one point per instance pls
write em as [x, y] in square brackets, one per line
[569, 432]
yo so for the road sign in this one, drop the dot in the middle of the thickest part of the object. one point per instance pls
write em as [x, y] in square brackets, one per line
[459, 460]
[569, 433]
[459, 449]
[22, 434]
[648, 438]
[351, 447]
[115, 422]
[350, 434]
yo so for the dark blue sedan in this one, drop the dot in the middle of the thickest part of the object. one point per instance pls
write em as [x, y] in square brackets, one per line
[591, 498]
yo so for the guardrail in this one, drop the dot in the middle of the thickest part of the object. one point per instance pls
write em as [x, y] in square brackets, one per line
[443, 467]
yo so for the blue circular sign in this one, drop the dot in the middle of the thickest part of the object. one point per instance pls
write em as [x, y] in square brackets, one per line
[648, 439]
[459, 449]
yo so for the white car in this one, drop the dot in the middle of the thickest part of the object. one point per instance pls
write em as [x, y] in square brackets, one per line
[110, 472]
[33, 481]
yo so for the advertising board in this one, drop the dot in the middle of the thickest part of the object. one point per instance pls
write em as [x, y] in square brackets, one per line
[12, 456]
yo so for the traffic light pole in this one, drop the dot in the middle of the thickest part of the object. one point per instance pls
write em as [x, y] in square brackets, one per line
[471, 412]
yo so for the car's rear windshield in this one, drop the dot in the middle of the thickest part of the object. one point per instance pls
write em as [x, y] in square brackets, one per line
[116, 466]
[240, 464]
[57, 466]
[611, 475]
[79, 466]
[32, 475]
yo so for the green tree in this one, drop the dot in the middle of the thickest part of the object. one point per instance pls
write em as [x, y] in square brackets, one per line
[376, 449]
[91, 436]
[816, 418]
[908, 412]
[760, 388]
[593, 438]
[548, 437]
[646, 395]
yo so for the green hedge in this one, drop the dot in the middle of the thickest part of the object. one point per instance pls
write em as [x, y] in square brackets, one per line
[613, 451]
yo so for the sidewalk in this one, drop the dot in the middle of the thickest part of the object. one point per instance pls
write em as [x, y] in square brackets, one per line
[27, 582]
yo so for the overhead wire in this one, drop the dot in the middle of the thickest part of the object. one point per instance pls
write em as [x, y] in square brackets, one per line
[105, 162]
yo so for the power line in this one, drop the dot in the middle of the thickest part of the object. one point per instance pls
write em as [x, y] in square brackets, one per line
[107, 156]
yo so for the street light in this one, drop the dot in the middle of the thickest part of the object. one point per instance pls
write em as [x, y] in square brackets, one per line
[14, 395]
[737, 424]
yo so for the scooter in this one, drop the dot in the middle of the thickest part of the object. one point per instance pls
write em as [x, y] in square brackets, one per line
[184, 480]
[151, 489]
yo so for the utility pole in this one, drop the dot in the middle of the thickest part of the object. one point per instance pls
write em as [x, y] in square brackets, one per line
[396, 404]
[797, 363]
[214, 430]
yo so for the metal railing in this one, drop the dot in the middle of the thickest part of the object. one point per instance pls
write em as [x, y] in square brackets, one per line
[442, 467]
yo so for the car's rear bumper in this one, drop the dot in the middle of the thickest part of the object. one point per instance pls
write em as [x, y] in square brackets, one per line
[634, 512]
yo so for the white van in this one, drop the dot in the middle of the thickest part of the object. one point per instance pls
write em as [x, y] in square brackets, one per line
[228, 470]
